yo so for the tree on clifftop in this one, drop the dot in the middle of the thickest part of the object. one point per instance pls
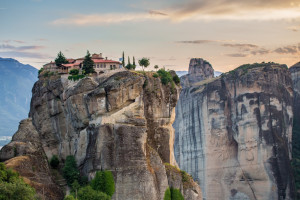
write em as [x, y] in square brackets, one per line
[88, 64]
[60, 59]
[144, 62]
[123, 60]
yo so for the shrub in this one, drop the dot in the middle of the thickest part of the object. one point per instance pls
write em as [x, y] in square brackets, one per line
[104, 182]
[145, 83]
[54, 162]
[87, 193]
[13, 187]
[167, 194]
[155, 75]
[176, 194]
[176, 79]
[70, 171]
[130, 66]
[76, 77]
[41, 70]
[165, 76]
[46, 74]
[74, 72]
[69, 197]
[185, 176]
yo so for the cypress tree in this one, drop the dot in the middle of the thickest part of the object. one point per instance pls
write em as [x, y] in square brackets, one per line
[123, 60]
[129, 61]
[134, 61]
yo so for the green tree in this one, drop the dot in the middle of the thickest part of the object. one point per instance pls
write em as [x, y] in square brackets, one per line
[70, 171]
[54, 162]
[133, 61]
[144, 63]
[74, 72]
[104, 182]
[12, 187]
[167, 194]
[129, 61]
[156, 67]
[69, 197]
[123, 60]
[165, 76]
[75, 187]
[88, 64]
[87, 193]
[176, 79]
[176, 194]
[60, 59]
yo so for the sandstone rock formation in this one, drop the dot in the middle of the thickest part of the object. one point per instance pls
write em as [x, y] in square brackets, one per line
[121, 122]
[25, 155]
[295, 73]
[199, 69]
[233, 133]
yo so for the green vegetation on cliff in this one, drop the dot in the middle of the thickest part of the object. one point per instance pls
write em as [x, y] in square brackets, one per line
[101, 187]
[104, 182]
[173, 194]
[70, 171]
[74, 75]
[244, 68]
[12, 187]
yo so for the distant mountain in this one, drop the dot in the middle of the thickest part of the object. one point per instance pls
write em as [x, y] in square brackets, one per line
[16, 81]
[182, 73]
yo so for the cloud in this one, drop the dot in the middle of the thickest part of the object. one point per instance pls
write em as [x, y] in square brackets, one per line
[236, 55]
[15, 54]
[287, 50]
[260, 51]
[20, 48]
[235, 10]
[154, 12]
[197, 41]
[14, 41]
[242, 46]
[25, 51]
[41, 39]
[105, 19]
[195, 10]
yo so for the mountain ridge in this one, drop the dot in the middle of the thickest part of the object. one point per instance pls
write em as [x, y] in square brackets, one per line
[16, 82]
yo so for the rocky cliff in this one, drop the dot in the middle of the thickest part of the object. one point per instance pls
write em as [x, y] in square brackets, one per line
[120, 121]
[233, 133]
[295, 72]
[197, 73]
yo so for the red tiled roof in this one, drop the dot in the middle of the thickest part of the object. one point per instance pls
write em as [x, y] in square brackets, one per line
[68, 65]
[71, 60]
[105, 61]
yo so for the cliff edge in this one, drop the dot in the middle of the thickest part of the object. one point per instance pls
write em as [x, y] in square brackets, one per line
[234, 132]
[120, 122]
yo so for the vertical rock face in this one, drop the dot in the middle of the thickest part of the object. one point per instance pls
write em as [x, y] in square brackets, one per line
[233, 133]
[199, 70]
[121, 122]
[295, 72]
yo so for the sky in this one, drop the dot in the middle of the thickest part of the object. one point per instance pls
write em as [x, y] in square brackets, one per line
[227, 33]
